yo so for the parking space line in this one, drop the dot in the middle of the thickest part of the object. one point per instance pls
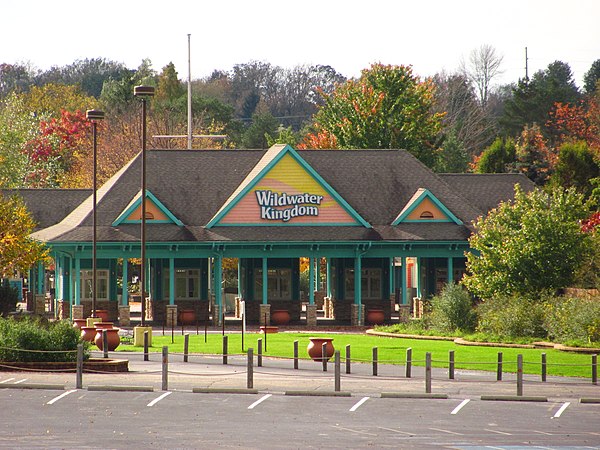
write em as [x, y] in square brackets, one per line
[446, 431]
[353, 431]
[7, 380]
[159, 398]
[459, 407]
[396, 431]
[561, 410]
[21, 381]
[259, 401]
[64, 394]
[360, 402]
[543, 432]
[499, 432]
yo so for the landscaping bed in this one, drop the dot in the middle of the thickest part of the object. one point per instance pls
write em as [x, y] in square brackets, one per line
[91, 365]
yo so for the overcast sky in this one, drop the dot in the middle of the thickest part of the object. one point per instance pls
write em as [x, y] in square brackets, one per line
[349, 35]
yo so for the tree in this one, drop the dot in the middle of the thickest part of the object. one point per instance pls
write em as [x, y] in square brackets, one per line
[591, 77]
[387, 107]
[529, 246]
[18, 252]
[14, 78]
[533, 156]
[483, 66]
[497, 157]
[255, 135]
[452, 156]
[575, 167]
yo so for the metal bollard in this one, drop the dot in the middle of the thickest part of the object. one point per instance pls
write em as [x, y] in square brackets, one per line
[519, 375]
[250, 370]
[324, 356]
[348, 358]
[337, 369]
[225, 349]
[79, 376]
[428, 373]
[408, 362]
[595, 369]
[165, 368]
[375, 361]
[543, 367]
[499, 369]
[259, 356]
[146, 346]
[186, 346]
[451, 364]
[105, 343]
[295, 354]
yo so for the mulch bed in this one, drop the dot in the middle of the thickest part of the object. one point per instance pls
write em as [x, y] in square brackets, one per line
[91, 365]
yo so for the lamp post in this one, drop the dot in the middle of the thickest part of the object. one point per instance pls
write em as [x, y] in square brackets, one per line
[94, 116]
[143, 92]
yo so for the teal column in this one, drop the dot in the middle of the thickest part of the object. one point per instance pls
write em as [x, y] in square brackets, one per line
[218, 280]
[450, 270]
[264, 281]
[318, 274]
[404, 287]
[57, 278]
[418, 276]
[77, 280]
[147, 278]
[125, 292]
[391, 269]
[311, 281]
[40, 278]
[239, 280]
[328, 277]
[171, 281]
[358, 284]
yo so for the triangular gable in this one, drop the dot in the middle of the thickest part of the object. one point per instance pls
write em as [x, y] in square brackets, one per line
[425, 207]
[283, 189]
[158, 212]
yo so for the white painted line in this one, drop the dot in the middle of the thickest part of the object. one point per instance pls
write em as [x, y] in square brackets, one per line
[543, 432]
[64, 394]
[459, 407]
[396, 431]
[7, 380]
[360, 402]
[159, 398]
[259, 401]
[561, 410]
[353, 431]
[21, 381]
[446, 431]
[499, 432]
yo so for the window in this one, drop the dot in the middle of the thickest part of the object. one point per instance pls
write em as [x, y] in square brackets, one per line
[426, 215]
[187, 284]
[87, 281]
[279, 284]
[370, 284]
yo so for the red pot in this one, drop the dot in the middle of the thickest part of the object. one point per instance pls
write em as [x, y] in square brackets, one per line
[103, 325]
[88, 333]
[102, 314]
[78, 323]
[375, 316]
[187, 317]
[112, 338]
[315, 349]
[280, 317]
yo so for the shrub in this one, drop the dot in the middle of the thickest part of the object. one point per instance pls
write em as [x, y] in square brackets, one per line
[452, 310]
[9, 296]
[573, 319]
[512, 317]
[42, 341]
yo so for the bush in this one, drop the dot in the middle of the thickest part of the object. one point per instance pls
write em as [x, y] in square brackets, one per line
[512, 317]
[452, 310]
[573, 319]
[9, 296]
[43, 341]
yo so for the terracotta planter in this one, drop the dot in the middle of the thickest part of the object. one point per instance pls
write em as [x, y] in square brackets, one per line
[112, 338]
[103, 325]
[187, 317]
[315, 349]
[280, 317]
[88, 333]
[78, 323]
[102, 314]
[375, 316]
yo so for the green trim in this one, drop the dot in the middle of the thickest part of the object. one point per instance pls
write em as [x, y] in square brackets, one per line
[402, 217]
[132, 207]
[286, 149]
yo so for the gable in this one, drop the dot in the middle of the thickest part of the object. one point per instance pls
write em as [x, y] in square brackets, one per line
[425, 207]
[283, 190]
[156, 211]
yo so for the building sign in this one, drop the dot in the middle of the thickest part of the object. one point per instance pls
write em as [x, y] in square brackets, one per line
[276, 206]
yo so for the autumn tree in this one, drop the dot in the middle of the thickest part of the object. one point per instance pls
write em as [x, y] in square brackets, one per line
[387, 107]
[575, 167]
[498, 157]
[591, 77]
[533, 156]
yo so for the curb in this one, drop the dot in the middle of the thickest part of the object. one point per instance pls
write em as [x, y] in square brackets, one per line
[409, 395]
[223, 391]
[589, 400]
[514, 398]
[55, 387]
[318, 393]
[120, 388]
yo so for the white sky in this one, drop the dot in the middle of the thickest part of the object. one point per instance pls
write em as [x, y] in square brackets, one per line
[349, 35]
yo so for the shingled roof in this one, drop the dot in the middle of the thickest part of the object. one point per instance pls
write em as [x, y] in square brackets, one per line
[195, 184]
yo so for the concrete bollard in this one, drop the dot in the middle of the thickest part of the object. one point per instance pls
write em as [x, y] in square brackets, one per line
[348, 362]
[250, 369]
[79, 376]
[165, 368]
[594, 369]
[324, 356]
[428, 373]
[105, 343]
[337, 369]
[543, 367]
[260, 353]
[451, 364]
[375, 351]
[146, 346]
[408, 362]
[186, 346]
[499, 368]
[295, 354]
[225, 349]
[519, 375]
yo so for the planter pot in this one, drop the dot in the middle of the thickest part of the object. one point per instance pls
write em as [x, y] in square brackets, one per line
[187, 317]
[375, 316]
[103, 325]
[88, 333]
[102, 314]
[280, 317]
[112, 338]
[315, 349]
[78, 323]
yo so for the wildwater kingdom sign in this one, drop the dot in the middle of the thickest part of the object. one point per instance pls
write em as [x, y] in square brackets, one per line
[284, 206]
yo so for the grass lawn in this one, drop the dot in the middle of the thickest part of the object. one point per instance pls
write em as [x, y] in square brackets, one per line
[390, 351]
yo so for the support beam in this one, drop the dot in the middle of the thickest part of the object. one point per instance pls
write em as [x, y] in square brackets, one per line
[392, 273]
[239, 279]
[450, 270]
[41, 272]
[318, 274]
[77, 281]
[358, 285]
[311, 281]
[124, 291]
[418, 276]
[404, 290]
[218, 284]
[264, 281]
[328, 281]
[171, 281]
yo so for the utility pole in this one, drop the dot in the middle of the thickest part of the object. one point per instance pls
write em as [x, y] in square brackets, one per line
[189, 99]
[526, 66]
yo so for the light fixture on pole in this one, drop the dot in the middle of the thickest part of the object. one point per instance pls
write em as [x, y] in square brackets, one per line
[94, 116]
[143, 92]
